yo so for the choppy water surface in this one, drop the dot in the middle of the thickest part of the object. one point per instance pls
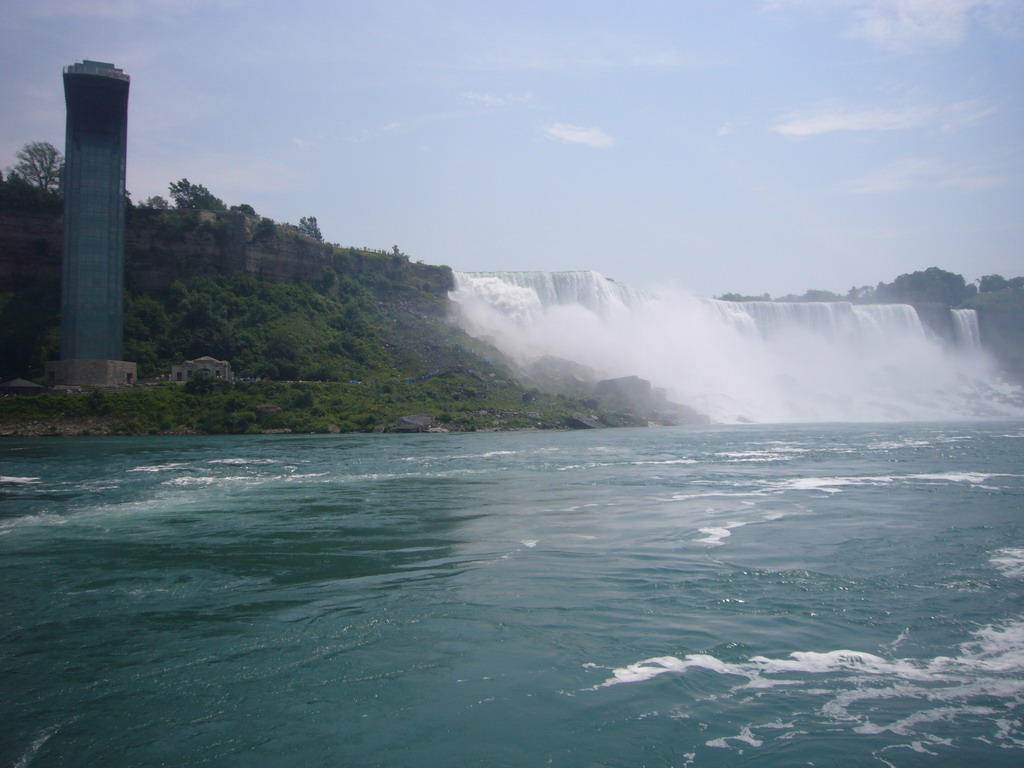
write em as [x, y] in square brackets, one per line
[760, 595]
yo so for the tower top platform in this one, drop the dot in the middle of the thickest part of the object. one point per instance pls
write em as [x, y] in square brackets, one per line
[100, 68]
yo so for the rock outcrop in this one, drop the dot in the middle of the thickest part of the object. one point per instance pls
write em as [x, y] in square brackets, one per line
[418, 423]
[164, 246]
[582, 421]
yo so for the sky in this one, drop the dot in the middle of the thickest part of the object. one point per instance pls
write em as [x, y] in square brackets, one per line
[713, 146]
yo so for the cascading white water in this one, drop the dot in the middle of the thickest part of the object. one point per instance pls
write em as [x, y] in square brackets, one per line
[737, 361]
[965, 327]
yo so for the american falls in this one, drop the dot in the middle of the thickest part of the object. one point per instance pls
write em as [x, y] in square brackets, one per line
[735, 362]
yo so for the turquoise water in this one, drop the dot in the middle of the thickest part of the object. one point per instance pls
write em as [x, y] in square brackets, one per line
[744, 596]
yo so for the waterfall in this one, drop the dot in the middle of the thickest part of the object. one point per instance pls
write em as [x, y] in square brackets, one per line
[965, 327]
[833, 319]
[738, 361]
[586, 288]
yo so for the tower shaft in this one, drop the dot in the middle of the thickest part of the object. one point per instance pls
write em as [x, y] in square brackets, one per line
[92, 288]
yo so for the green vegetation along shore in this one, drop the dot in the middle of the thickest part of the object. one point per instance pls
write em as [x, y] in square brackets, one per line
[323, 338]
[453, 402]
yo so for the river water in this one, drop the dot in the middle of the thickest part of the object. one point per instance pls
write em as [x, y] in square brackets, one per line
[829, 595]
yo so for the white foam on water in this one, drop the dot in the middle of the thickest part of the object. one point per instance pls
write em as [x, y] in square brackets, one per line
[826, 484]
[900, 639]
[207, 480]
[530, 543]
[715, 494]
[650, 668]
[34, 520]
[774, 454]
[35, 746]
[94, 486]
[757, 459]
[957, 477]
[160, 467]
[485, 454]
[1010, 562]
[745, 735]
[981, 680]
[817, 663]
[659, 462]
[242, 461]
[836, 484]
[8, 480]
[588, 465]
[714, 534]
[891, 445]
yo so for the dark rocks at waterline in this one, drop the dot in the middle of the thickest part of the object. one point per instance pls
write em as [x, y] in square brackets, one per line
[418, 423]
[636, 395]
[630, 391]
[581, 421]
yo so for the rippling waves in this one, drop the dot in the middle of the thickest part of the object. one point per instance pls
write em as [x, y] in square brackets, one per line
[757, 595]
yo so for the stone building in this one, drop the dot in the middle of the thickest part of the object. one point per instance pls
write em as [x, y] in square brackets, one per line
[206, 366]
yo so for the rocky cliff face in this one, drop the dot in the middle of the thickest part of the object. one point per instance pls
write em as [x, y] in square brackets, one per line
[30, 247]
[164, 246]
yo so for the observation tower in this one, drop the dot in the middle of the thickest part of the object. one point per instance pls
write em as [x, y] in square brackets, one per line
[92, 281]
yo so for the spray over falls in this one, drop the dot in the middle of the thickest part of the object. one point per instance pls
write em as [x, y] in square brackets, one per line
[738, 361]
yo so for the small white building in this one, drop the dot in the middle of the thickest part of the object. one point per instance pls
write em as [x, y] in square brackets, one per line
[206, 365]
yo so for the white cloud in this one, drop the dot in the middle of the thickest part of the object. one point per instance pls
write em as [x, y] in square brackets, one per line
[905, 25]
[498, 100]
[964, 113]
[829, 117]
[920, 173]
[574, 134]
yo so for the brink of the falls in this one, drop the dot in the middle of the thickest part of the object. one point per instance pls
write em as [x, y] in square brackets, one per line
[741, 361]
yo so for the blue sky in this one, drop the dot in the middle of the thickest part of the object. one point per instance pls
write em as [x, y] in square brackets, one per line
[714, 145]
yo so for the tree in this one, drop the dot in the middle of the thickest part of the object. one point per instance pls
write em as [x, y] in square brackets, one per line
[813, 295]
[991, 283]
[40, 164]
[185, 194]
[17, 194]
[932, 286]
[865, 293]
[155, 202]
[245, 208]
[308, 227]
[741, 297]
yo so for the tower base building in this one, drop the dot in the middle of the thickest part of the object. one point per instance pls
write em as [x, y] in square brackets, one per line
[93, 373]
